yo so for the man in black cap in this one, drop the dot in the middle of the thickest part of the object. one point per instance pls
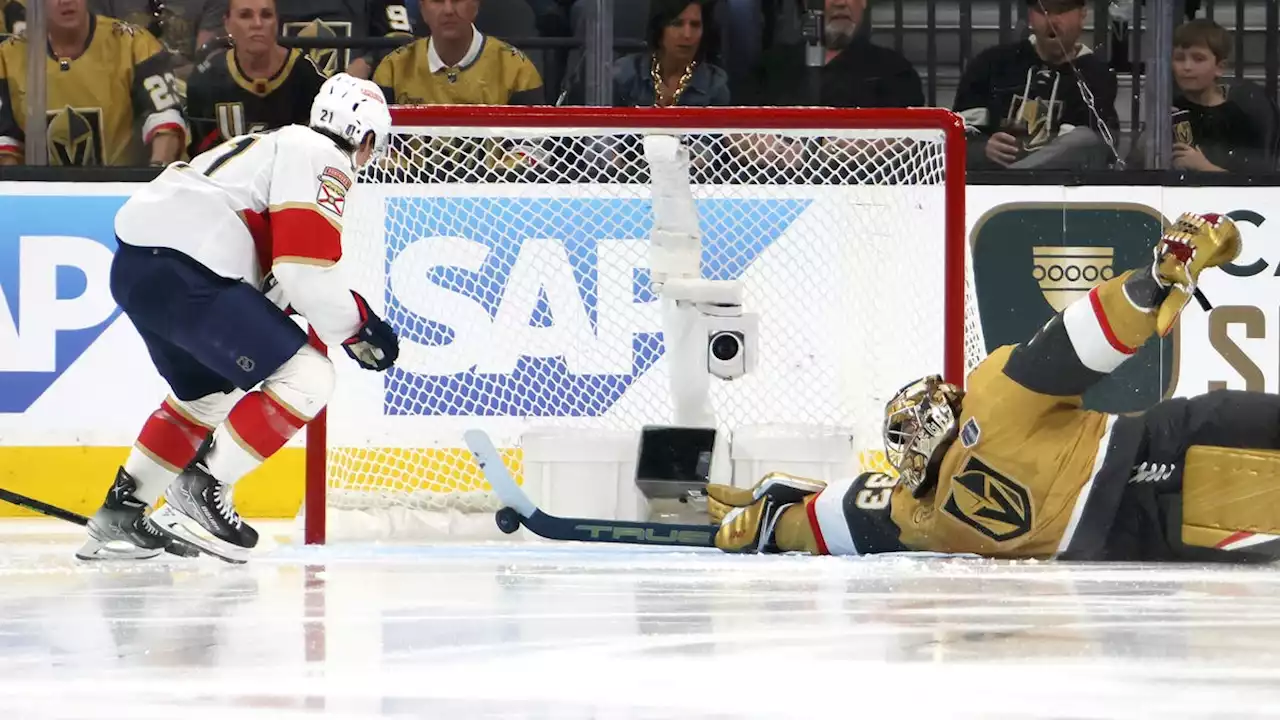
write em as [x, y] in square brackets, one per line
[1024, 103]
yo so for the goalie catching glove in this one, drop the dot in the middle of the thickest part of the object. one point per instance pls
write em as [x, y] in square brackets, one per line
[767, 518]
[375, 345]
[1193, 243]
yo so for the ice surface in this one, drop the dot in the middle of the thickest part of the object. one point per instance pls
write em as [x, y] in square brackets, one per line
[592, 631]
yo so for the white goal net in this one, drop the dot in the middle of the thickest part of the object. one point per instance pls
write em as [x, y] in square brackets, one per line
[510, 249]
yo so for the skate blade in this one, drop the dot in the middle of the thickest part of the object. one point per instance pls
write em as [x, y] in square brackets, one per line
[182, 549]
[97, 550]
[184, 529]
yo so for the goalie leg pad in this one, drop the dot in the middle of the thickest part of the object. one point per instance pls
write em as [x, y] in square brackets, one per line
[1230, 497]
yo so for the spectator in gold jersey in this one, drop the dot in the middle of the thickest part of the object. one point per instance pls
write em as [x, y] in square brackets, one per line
[457, 64]
[111, 95]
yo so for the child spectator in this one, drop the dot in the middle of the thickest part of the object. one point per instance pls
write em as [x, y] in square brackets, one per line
[1211, 132]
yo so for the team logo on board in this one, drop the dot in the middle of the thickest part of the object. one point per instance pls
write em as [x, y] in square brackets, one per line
[1068, 273]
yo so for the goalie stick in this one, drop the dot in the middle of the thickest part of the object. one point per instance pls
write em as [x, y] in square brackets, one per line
[520, 510]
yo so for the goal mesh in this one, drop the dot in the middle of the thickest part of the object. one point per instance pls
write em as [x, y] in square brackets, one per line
[509, 249]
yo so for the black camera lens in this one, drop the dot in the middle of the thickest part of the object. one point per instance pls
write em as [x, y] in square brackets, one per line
[725, 346]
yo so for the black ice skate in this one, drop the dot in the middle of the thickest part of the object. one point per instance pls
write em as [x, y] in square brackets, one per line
[120, 529]
[198, 511]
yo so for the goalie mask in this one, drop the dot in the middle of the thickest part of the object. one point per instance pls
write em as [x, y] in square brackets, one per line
[920, 422]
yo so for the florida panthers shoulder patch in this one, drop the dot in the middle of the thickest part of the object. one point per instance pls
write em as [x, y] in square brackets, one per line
[332, 195]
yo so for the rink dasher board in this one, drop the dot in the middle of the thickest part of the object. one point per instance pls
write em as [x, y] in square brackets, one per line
[114, 370]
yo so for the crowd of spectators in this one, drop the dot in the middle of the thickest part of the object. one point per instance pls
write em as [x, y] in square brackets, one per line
[133, 82]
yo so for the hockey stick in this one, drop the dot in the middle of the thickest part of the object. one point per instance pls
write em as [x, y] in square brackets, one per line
[42, 507]
[54, 511]
[520, 510]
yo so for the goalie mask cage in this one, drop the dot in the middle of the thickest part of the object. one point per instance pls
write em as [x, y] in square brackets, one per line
[509, 248]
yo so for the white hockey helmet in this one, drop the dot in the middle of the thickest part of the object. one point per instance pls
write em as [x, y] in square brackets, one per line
[350, 108]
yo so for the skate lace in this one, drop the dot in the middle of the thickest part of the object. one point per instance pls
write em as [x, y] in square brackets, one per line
[222, 499]
[149, 527]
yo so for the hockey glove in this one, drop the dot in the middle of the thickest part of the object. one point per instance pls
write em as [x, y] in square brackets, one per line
[1193, 243]
[374, 345]
[767, 518]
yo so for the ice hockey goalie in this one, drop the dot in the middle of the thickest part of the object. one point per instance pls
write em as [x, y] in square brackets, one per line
[1014, 467]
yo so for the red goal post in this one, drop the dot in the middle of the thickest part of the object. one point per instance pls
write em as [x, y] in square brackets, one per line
[421, 131]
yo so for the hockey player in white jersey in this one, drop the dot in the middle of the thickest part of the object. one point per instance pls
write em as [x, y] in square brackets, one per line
[198, 248]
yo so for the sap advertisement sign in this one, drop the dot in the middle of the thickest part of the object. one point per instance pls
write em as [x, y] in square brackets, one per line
[541, 307]
[55, 258]
[508, 307]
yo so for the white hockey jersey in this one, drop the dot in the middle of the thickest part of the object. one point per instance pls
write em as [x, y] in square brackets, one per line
[270, 201]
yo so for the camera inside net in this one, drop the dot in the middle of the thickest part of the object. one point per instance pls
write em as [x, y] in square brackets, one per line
[732, 345]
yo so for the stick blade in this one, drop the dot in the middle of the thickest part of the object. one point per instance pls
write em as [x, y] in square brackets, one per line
[496, 472]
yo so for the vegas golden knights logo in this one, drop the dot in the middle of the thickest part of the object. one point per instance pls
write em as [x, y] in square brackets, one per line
[1068, 273]
[989, 502]
[1035, 119]
[231, 120]
[328, 60]
[75, 137]
[1182, 133]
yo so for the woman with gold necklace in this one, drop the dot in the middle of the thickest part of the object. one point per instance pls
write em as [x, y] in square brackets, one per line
[677, 69]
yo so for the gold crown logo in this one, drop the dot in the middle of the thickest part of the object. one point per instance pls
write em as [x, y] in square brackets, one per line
[1067, 273]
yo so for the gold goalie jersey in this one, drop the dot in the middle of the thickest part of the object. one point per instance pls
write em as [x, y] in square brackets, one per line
[1027, 475]
[103, 106]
